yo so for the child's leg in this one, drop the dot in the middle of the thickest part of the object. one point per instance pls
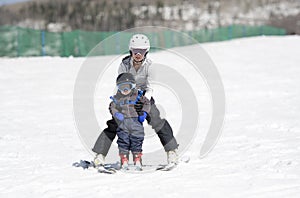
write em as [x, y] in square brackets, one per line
[136, 136]
[123, 145]
[136, 142]
[123, 141]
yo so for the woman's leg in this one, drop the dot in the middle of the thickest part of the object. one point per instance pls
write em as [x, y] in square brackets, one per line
[162, 128]
[106, 138]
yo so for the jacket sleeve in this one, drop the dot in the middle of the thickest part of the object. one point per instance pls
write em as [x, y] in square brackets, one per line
[149, 80]
[146, 104]
[122, 68]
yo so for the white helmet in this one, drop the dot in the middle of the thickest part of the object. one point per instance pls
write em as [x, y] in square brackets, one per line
[139, 41]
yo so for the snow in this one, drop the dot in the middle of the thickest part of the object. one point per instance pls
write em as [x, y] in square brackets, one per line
[256, 156]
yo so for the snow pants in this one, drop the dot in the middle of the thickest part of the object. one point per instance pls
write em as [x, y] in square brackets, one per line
[161, 127]
[130, 136]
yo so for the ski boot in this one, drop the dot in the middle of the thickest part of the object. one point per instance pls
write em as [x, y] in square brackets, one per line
[99, 160]
[137, 159]
[172, 157]
[124, 161]
[99, 164]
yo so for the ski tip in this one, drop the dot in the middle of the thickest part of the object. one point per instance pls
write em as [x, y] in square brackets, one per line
[166, 167]
[185, 159]
[106, 170]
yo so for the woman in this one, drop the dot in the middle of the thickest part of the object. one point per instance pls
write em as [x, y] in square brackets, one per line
[139, 65]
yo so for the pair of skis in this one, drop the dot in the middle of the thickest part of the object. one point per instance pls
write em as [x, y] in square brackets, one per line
[109, 169]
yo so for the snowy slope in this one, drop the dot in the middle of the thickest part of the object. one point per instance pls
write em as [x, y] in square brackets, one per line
[256, 156]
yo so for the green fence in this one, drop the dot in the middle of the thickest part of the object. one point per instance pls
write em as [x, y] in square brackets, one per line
[16, 41]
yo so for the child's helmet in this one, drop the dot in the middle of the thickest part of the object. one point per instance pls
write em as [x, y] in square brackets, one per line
[125, 81]
[139, 41]
[125, 77]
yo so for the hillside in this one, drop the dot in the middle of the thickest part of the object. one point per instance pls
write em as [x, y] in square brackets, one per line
[99, 15]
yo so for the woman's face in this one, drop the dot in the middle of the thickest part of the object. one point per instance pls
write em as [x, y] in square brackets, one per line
[138, 57]
[138, 54]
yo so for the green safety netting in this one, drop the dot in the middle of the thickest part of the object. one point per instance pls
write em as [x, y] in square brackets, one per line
[16, 41]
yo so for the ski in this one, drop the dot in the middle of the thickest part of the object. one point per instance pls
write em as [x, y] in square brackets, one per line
[90, 164]
[166, 167]
[171, 166]
[106, 170]
[83, 164]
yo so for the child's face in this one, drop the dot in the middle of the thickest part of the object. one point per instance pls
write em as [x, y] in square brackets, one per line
[125, 89]
[126, 92]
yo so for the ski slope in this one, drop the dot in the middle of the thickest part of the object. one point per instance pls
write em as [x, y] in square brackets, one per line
[257, 154]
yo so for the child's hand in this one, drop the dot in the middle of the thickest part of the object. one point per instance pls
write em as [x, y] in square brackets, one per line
[142, 117]
[119, 116]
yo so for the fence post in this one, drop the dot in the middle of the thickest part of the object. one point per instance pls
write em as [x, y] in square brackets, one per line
[43, 42]
[172, 39]
[261, 30]
[230, 32]
[63, 47]
[244, 31]
[18, 45]
[211, 37]
[118, 43]
[154, 42]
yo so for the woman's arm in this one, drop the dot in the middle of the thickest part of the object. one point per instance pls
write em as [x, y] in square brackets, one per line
[112, 108]
[146, 104]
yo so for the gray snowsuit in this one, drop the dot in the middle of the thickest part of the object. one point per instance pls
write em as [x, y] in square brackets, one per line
[130, 131]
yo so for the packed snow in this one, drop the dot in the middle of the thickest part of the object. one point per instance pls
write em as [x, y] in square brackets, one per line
[257, 154]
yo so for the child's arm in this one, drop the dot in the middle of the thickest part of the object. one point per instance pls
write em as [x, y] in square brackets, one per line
[114, 112]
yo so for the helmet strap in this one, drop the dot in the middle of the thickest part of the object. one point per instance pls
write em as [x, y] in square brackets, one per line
[139, 62]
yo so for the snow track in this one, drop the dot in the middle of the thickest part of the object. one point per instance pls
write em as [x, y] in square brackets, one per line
[256, 156]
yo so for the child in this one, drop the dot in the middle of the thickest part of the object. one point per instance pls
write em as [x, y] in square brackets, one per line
[130, 124]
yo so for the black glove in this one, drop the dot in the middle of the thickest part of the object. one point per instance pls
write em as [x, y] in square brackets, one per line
[138, 107]
[152, 101]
